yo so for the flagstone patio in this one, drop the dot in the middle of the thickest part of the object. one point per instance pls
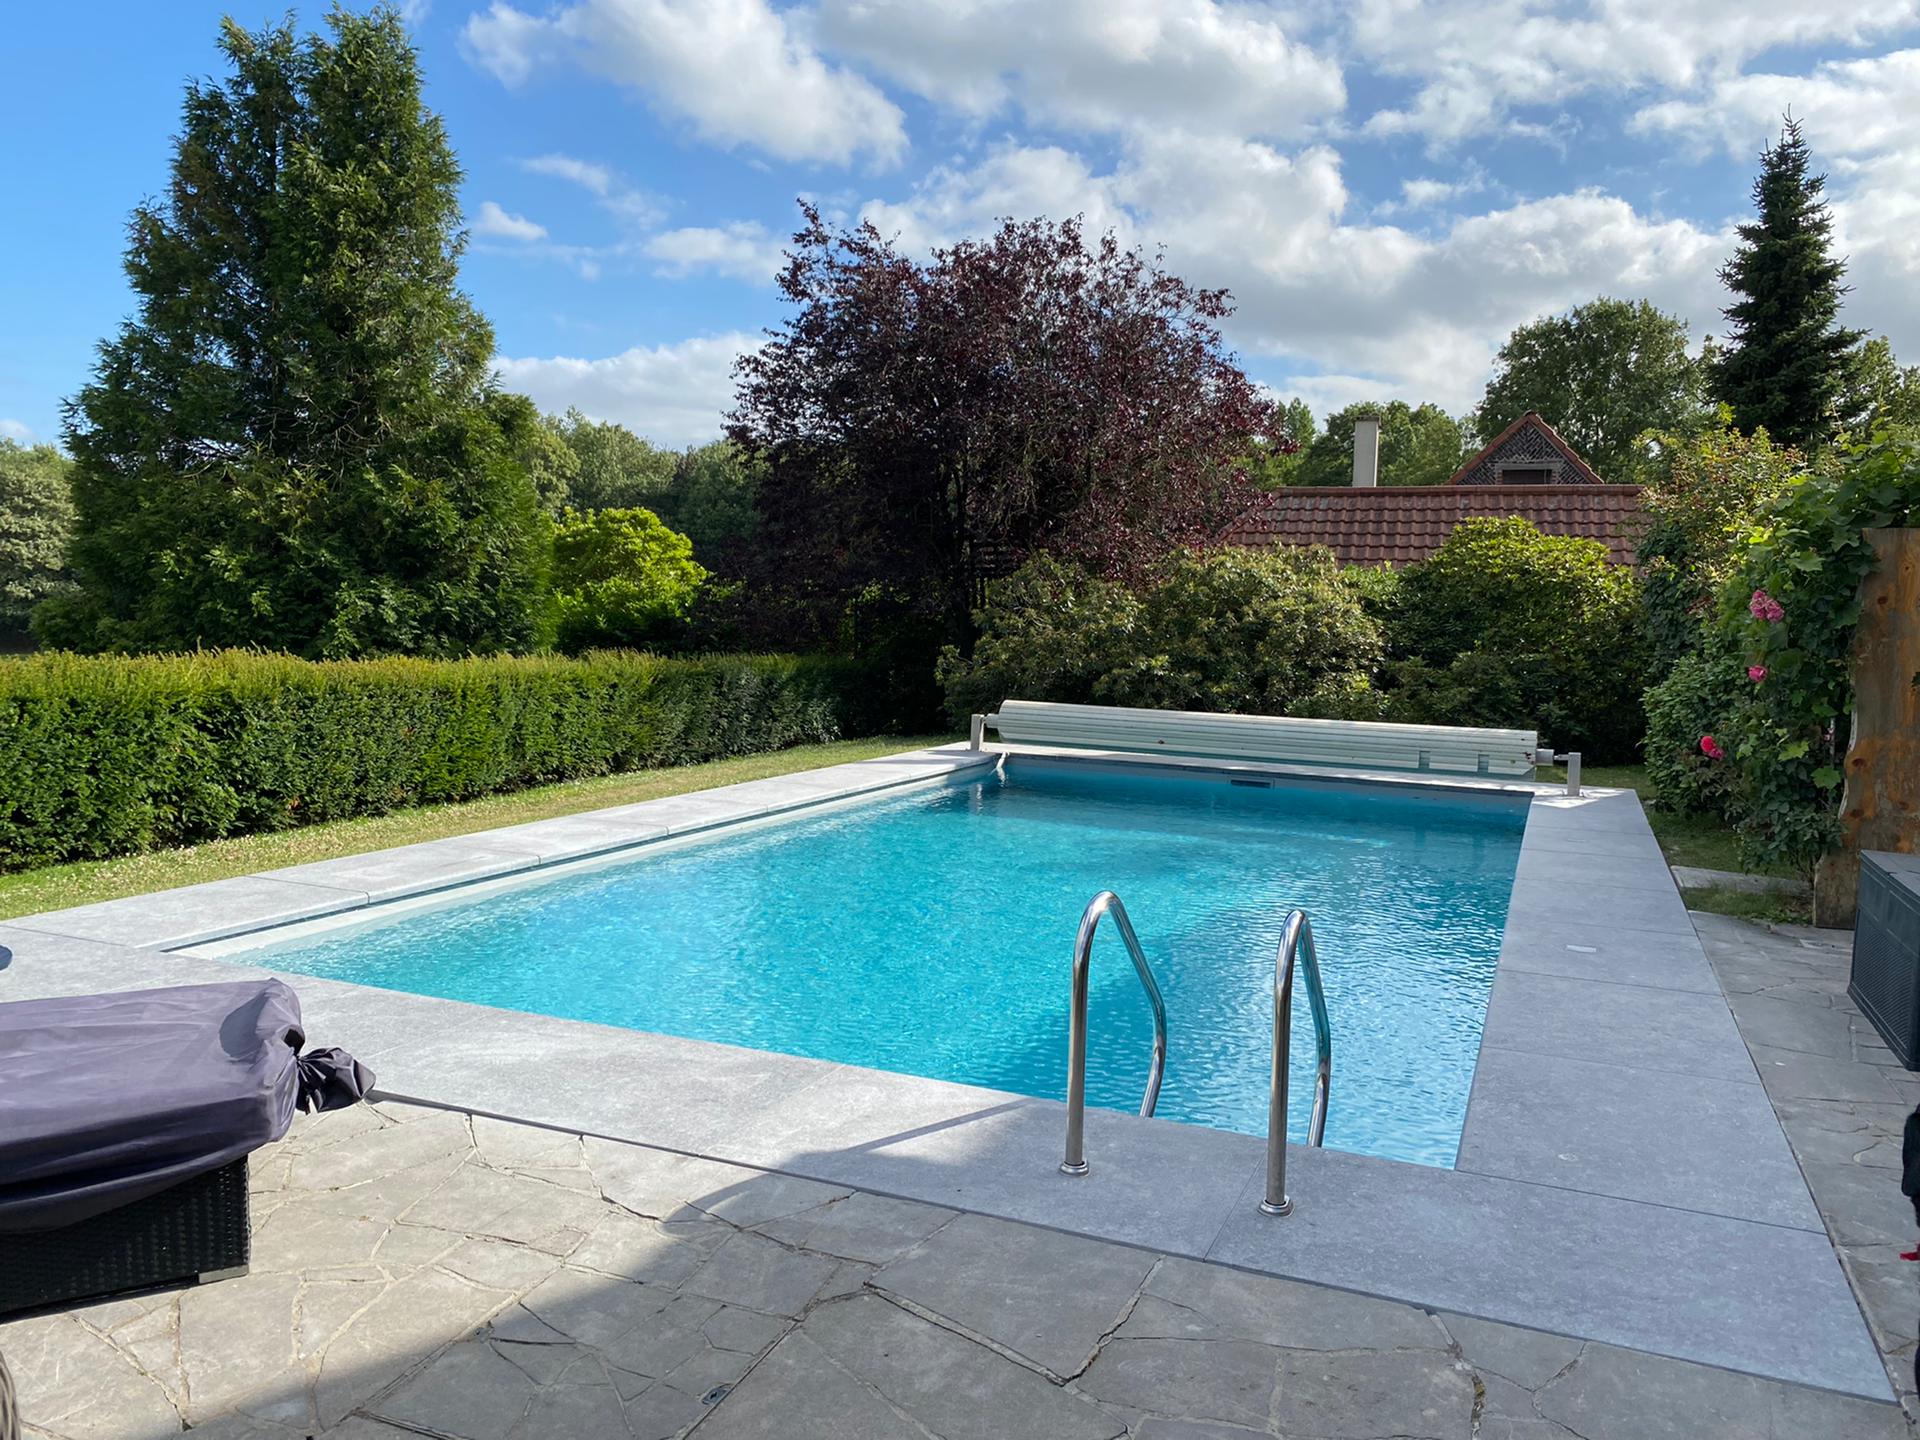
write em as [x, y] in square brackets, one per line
[1842, 1099]
[427, 1272]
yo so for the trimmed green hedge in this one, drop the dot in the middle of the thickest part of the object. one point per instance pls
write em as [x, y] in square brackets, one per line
[108, 755]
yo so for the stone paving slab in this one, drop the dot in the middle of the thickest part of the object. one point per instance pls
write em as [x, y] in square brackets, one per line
[404, 1285]
[1708, 1145]
[415, 869]
[1682, 1034]
[1841, 1101]
[197, 913]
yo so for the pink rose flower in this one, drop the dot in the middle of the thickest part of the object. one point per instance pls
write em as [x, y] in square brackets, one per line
[1756, 673]
[1764, 607]
[1710, 748]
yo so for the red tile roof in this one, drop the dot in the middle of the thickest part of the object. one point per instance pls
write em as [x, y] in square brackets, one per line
[1400, 524]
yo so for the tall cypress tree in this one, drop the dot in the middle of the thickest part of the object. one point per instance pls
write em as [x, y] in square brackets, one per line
[294, 442]
[1787, 358]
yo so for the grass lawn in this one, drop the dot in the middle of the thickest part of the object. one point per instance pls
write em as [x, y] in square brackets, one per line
[1702, 842]
[86, 881]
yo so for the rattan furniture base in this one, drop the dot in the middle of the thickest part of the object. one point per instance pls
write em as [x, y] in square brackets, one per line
[195, 1231]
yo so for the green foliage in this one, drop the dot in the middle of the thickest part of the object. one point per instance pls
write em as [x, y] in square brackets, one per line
[620, 579]
[1506, 626]
[112, 755]
[541, 448]
[293, 442]
[1880, 392]
[1272, 465]
[1696, 700]
[1254, 632]
[1704, 494]
[1790, 610]
[1603, 374]
[1419, 445]
[616, 469]
[1377, 588]
[711, 500]
[36, 525]
[1787, 360]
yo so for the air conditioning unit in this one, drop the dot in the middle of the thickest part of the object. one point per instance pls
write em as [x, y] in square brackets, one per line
[1885, 982]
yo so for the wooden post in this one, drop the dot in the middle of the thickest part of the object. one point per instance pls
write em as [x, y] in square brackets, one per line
[1880, 806]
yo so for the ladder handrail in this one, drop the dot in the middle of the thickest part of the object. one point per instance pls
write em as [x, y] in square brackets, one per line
[1104, 903]
[1297, 939]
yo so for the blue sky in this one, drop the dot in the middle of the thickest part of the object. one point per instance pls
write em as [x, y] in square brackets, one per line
[1387, 186]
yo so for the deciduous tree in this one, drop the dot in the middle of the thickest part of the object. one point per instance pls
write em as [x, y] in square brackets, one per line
[925, 424]
[1880, 392]
[36, 524]
[620, 577]
[617, 469]
[1603, 374]
[1419, 445]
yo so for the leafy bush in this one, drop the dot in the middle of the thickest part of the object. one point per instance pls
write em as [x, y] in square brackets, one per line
[1696, 701]
[1255, 632]
[1377, 588]
[108, 755]
[1505, 626]
[1704, 495]
[620, 579]
[1789, 612]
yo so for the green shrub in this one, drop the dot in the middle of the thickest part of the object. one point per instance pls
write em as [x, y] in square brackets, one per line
[621, 578]
[1506, 626]
[1254, 632]
[1789, 612]
[1698, 699]
[1377, 588]
[108, 755]
[1703, 497]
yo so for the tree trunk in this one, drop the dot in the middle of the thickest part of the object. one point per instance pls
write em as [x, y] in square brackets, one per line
[1880, 807]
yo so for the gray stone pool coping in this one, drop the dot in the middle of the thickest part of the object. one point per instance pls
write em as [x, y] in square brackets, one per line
[1621, 1176]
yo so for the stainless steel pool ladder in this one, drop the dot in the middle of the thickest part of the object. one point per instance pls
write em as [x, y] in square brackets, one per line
[1296, 940]
[1103, 903]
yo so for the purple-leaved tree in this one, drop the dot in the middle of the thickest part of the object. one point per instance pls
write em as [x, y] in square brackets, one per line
[925, 426]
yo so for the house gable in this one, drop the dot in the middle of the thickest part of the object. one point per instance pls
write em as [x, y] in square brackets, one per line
[1527, 452]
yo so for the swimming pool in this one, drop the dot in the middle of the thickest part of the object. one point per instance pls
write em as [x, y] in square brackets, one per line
[929, 931]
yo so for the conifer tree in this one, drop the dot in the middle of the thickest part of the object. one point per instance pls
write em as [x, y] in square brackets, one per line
[294, 442]
[1786, 359]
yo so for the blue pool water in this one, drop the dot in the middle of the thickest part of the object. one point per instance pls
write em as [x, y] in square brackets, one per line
[931, 932]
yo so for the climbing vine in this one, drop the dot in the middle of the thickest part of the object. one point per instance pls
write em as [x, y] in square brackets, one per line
[1789, 613]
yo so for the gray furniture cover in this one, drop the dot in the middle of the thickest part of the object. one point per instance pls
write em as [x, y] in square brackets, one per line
[107, 1099]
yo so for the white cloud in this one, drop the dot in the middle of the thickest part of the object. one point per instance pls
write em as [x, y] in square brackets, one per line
[741, 72]
[1424, 194]
[1362, 308]
[506, 41]
[745, 250]
[492, 221]
[673, 394]
[15, 430]
[584, 173]
[1846, 107]
[1478, 61]
[1097, 65]
[1013, 181]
